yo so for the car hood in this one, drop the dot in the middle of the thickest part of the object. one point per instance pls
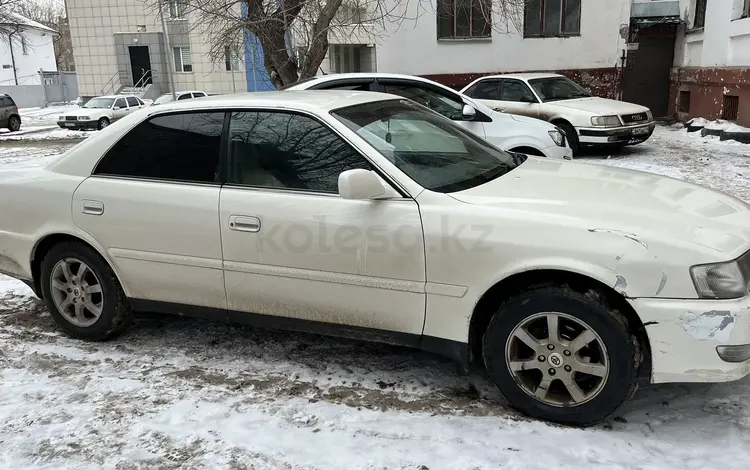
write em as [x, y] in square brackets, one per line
[609, 199]
[598, 106]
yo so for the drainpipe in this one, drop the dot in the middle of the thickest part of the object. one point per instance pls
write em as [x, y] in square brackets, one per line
[12, 56]
[170, 52]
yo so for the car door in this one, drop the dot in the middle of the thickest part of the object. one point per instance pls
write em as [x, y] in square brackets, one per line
[4, 111]
[441, 101]
[133, 103]
[507, 95]
[119, 108]
[152, 202]
[294, 249]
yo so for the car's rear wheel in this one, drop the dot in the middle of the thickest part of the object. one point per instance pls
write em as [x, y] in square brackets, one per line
[561, 355]
[82, 293]
[103, 122]
[571, 136]
[14, 123]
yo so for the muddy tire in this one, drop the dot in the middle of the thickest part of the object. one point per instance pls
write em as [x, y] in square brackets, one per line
[83, 294]
[14, 123]
[103, 122]
[571, 136]
[561, 355]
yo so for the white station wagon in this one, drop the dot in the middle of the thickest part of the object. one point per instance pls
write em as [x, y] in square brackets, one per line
[363, 214]
[587, 120]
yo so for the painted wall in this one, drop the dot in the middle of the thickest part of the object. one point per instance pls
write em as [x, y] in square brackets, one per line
[723, 42]
[40, 54]
[411, 46]
[255, 70]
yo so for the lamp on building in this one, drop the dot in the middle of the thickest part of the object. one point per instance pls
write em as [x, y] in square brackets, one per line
[135, 40]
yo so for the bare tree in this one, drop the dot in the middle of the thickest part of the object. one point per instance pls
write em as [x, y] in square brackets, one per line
[294, 34]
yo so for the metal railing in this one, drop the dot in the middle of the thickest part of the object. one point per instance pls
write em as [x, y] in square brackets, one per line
[140, 85]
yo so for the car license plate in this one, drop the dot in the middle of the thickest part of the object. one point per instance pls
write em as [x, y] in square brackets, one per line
[69, 124]
[640, 130]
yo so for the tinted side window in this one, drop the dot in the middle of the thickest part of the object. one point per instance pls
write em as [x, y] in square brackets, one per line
[285, 150]
[345, 86]
[120, 103]
[132, 101]
[177, 147]
[441, 103]
[199, 95]
[6, 101]
[514, 90]
[186, 96]
[485, 90]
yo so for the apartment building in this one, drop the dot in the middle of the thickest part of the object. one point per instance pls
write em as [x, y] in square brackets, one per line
[120, 44]
[711, 74]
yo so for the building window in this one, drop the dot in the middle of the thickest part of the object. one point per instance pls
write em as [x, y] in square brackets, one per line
[231, 60]
[684, 102]
[731, 108]
[464, 19]
[700, 14]
[552, 18]
[349, 13]
[348, 58]
[746, 9]
[182, 60]
[24, 46]
[177, 9]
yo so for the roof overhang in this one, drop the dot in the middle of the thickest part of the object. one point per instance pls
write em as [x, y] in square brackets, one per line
[655, 12]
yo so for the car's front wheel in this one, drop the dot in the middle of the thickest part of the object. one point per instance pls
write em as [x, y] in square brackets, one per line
[82, 292]
[14, 123]
[571, 136]
[562, 355]
[103, 122]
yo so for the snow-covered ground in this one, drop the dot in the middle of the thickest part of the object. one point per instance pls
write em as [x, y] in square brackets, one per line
[182, 393]
[41, 124]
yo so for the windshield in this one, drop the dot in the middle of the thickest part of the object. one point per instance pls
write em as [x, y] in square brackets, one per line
[164, 99]
[435, 152]
[99, 103]
[557, 88]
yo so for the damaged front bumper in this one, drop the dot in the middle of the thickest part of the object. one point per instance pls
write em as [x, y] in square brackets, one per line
[696, 340]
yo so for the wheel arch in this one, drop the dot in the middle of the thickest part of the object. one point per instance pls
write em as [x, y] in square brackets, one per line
[523, 281]
[529, 150]
[45, 244]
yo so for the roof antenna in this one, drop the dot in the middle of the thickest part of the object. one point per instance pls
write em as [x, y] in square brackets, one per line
[321, 70]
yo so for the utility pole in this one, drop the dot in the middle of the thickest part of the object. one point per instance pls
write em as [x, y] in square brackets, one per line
[170, 52]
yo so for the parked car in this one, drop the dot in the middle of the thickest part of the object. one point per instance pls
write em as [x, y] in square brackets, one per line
[587, 120]
[181, 95]
[10, 118]
[507, 131]
[100, 112]
[371, 216]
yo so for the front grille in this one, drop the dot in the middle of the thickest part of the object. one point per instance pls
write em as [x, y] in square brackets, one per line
[634, 118]
[70, 118]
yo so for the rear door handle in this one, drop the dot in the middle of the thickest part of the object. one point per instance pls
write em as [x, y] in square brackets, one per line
[244, 223]
[92, 207]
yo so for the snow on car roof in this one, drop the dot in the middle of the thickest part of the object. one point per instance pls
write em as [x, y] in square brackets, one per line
[525, 75]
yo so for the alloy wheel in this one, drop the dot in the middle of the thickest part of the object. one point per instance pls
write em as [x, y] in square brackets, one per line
[76, 292]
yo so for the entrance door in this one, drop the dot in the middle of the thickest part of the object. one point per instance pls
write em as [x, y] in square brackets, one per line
[140, 65]
[646, 77]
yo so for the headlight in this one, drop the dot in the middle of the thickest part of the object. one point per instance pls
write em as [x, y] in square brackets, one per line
[719, 281]
[84, 118]
[557, 136]
[61, 118]
[649, 115]
[605, 121]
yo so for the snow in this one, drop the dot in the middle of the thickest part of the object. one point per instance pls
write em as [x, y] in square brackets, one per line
[182, 393]
[41, 124]
[722, 125]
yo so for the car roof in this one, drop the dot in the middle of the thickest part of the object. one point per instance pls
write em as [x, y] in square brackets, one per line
[525, 75]
[116, 96]
[303, 100]
[354, 75]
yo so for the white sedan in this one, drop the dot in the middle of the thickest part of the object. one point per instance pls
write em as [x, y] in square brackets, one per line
[507, 131]
[100, 112]
[587, 120]
[362, 214]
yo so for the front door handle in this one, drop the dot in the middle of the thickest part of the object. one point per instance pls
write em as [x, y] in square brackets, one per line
[92, 207]
[243, 223]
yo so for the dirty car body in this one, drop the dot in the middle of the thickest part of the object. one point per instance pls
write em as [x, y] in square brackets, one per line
[571, 282]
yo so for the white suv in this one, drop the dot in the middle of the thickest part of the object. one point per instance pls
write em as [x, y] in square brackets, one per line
[506, 131]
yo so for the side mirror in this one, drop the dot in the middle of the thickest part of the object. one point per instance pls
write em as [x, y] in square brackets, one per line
[361, 184]
[115, 108]
[527, 99]
[468, 113]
